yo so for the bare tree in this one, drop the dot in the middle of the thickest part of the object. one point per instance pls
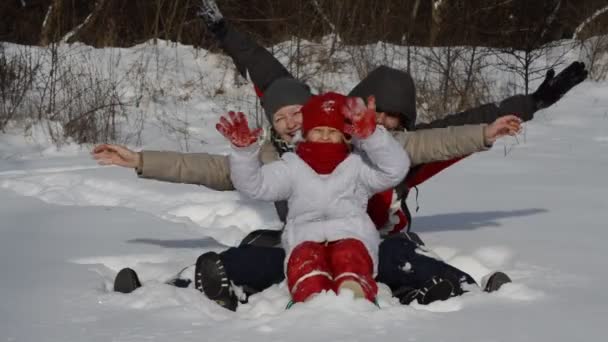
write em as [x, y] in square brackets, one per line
[18, 71]
[588, 21]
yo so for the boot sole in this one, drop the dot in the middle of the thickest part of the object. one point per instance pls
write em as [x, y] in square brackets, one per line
[126, 281]
[211, 279]
[496, 281]
[441, 290]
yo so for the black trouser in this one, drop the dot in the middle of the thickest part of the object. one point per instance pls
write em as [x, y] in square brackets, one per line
[258, 268]
[404, 262]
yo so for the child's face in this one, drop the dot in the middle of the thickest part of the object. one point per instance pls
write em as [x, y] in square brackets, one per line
[325, 135]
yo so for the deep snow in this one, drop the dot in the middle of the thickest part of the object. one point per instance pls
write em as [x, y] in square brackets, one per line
[538, 213]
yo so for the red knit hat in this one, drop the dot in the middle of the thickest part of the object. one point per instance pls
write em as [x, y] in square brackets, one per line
[323, 110]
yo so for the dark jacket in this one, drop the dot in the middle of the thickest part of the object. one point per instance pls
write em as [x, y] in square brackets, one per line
[263, 68]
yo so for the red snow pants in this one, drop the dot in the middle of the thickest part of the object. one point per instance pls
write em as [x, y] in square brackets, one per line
[318, 266]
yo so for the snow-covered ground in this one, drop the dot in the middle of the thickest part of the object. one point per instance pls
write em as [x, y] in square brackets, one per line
[535, 207]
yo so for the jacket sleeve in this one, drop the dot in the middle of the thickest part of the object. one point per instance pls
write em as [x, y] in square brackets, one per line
[430, 145]
[390, 163]
[206, 169]
[252, 59]
[212, 171]
[521, 105]
[270, 182]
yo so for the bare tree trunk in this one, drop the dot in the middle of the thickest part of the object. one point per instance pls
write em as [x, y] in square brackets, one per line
[527, 62]
[182, 21]
[408, 34]
[464, 98]
[159, 5]
[72, 36]
[437, 18]
[588, 21]
[51, 22]
[446, 77]
[551, 18]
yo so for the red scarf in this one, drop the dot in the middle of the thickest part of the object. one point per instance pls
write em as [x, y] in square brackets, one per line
[322, 157]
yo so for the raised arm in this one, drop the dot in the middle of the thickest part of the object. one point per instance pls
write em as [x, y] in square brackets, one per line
[388, 162]
[251, 60]
[270, 182]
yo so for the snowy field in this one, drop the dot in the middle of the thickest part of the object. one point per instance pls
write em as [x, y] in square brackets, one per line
[535, 207]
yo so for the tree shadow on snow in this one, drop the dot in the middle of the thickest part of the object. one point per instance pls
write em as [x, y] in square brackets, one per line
[190, 243]
[468, 221]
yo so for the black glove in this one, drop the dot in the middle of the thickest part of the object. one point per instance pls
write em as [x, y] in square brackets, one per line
[553, 88]
[213, 18]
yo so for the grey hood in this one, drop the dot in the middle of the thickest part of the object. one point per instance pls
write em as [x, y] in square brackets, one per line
[394, 91]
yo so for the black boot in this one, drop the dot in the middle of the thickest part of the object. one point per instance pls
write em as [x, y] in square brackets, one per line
[126, 281]
[433, 290]
[495, 281]
[211, 279]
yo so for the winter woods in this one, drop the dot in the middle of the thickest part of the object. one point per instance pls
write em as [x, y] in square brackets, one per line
[454, 49]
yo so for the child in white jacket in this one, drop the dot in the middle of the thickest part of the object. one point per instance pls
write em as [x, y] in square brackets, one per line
[330, 241]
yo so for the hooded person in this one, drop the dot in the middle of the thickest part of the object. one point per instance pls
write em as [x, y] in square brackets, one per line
[395, 95]
[329, 240]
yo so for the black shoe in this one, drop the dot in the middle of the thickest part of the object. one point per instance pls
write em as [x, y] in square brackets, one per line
[211, 279]
[126, 281]
[434, 290]
[495, 281]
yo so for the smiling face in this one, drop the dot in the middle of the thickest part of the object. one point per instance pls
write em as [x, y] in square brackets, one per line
[287, 121]
[325, 134]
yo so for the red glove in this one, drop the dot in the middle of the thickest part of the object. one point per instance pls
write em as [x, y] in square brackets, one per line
[362, 118]
[238, 131]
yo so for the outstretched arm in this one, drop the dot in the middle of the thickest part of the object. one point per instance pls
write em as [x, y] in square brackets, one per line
[524, 106]
[252, 61]
[439, 144]
[204, 169]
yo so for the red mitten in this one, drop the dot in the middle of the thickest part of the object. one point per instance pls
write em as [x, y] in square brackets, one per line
[238, 131]
[362, 118]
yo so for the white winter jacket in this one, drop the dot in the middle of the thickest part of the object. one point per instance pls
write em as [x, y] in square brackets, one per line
[325, 207]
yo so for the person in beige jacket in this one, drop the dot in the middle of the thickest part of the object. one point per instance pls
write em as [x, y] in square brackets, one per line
[213, 171]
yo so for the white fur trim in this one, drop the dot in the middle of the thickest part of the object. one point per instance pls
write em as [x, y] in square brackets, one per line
[308, 275]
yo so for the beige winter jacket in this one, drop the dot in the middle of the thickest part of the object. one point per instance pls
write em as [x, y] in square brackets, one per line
[213, 171]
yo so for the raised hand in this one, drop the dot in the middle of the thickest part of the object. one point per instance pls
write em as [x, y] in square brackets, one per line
[107, 154]
[237, 131]
[212, 17]
[554, 87]
[505, 125]
[362, 118]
